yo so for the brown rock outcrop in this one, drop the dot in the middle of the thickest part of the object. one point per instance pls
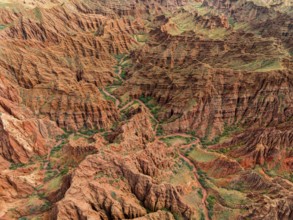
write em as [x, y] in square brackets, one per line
[269, 18]
[114, 188]
[277, 203]
[23, 139]
[136, 131]
[78, 146]
[22, 134]
[124, 185]
[269, 146]
[171, 109]
[157, 216]
[221, 167]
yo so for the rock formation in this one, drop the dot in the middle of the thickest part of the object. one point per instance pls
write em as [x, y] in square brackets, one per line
[146, 109]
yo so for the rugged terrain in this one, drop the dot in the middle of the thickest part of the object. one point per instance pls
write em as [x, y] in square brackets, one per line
[146, 109]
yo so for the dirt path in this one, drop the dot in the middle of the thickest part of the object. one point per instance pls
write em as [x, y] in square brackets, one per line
[219, 155]
[126, 106]
[117, 101]
[49, 154]
[119, 73]
[265, 175]
[177, 134]
[148, 109]
[187, 160]
[204, 192]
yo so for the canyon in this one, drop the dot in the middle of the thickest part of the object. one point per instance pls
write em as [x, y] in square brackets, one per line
[146, 109]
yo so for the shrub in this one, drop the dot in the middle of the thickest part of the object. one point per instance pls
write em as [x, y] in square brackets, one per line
[202, 216]
[211, 202]
[113, 195]
[64, 136]
[160, 130]
[145, 99]
[200, 193]
[123, 75]
[14, 166]
[46, 206]
[64, 171]
[202, 177]
[193, 133]
[88, 132]
[177, 216]
[57, 148]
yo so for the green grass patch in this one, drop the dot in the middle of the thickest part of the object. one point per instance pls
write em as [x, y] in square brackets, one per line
[55, 183]
[201, 155]
[15, 166]
[258, 65]
[151, 104]
[227, 131]
[182, 173]
[160, 130]
[211, 200]
[2, 27]
[107, 97]
[38, 14]
[90, 132]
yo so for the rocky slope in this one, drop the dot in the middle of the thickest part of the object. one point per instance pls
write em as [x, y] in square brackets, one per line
[146, 109]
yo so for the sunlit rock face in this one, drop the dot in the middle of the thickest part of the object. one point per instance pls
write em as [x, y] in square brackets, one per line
[146, 109]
